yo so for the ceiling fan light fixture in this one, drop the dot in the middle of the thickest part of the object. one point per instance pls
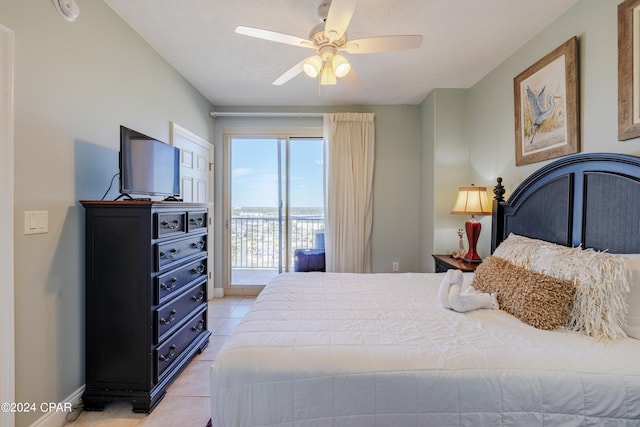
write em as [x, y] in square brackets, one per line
[340, 65]
[328, 76]
[312, 66]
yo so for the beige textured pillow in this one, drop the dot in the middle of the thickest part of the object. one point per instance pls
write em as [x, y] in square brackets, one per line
[540, 300]
[489, 278]
[599, 307]
[521, 250]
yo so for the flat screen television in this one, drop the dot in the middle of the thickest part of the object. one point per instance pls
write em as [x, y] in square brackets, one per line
[147, 166]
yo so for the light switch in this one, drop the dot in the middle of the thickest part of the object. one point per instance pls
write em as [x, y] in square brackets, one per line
[36, 222]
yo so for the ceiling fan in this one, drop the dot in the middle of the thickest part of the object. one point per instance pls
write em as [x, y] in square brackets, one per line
[328, 39]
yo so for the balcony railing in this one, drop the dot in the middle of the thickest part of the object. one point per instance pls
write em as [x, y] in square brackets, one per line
[255, 241]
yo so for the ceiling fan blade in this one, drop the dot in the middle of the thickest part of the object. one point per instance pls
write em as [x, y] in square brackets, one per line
[289, 74]
[273, 36]
[382, 44]
[338, 18]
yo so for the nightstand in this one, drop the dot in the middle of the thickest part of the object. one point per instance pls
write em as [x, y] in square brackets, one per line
[445, 262]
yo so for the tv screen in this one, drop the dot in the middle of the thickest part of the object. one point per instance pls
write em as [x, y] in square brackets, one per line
[148, 166]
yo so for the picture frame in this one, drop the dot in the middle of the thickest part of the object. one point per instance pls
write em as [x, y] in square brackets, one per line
[628, 70]
[546, 106]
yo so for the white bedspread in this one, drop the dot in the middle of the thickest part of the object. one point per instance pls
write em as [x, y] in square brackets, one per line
[325, 349]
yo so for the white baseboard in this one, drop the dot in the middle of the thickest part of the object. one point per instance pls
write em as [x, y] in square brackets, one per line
[218, 292]
[58, 418]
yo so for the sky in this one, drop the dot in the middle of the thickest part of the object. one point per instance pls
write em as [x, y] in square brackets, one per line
[254, 168]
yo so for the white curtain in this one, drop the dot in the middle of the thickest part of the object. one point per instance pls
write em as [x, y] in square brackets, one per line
[349, 191]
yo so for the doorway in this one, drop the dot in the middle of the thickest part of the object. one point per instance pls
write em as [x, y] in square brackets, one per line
[275, 205]
[196, 181]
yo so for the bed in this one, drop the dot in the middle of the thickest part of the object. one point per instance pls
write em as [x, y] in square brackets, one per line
[329, 349]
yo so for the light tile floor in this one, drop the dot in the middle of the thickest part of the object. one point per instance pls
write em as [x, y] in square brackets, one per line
[187, 402]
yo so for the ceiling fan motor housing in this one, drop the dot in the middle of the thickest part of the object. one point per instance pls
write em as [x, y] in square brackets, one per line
[323, 10]
[320, 39]
[317, 34]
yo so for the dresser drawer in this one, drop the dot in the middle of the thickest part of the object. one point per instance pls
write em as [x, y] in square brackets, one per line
[197, 221]
[171, 315]
[169, 283]
[169, 223]
[169, 352]
[171, 252]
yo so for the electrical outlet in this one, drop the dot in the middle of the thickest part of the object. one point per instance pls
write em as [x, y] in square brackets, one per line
[396, 266]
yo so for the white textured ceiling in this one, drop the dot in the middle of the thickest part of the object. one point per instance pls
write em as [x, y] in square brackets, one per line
[463, 40]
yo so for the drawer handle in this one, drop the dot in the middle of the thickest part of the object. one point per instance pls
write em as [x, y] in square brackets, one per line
[196, 221]
[199, 326]
[172, 317]
[199, 297]
[172, 225]
[172, 254]
[198, 245]
[172, 352]
[198, 270]
[172, 284]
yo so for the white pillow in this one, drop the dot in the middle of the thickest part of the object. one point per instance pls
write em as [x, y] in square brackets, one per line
[632, 324]
[599, 305]
[521, 250]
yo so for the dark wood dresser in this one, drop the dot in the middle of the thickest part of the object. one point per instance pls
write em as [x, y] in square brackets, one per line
[146, 298]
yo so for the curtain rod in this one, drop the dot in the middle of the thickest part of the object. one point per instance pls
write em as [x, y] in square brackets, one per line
[262, 114]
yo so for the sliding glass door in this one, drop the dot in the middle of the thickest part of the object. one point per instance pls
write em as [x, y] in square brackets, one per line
[275, 204]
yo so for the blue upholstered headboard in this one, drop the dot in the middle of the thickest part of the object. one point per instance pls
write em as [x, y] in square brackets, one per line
[592, 199]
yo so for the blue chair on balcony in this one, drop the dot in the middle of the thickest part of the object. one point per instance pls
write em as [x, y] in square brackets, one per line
[308, 260]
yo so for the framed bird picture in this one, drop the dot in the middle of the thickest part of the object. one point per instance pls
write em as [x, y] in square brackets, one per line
[628, 70]
[546, 106]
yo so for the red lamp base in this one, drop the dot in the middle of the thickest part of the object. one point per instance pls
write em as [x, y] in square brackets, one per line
[472, 228]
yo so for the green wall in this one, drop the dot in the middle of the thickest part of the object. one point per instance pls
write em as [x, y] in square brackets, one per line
[427, 210]
[75, 84]
[396, 178]
[444, 160]
[489, 111]
[491, 117]
[449, 165]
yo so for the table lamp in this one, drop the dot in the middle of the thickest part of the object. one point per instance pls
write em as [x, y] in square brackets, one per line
[472, 201]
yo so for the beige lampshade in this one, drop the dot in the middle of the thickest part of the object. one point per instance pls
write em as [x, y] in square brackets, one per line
[340, 65]
[472, 201]
[312, 66]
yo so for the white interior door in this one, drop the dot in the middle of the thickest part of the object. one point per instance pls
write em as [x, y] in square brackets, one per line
[196, 179]
[7, 334]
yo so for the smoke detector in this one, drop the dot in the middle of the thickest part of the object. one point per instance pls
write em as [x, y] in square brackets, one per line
[68, 9]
